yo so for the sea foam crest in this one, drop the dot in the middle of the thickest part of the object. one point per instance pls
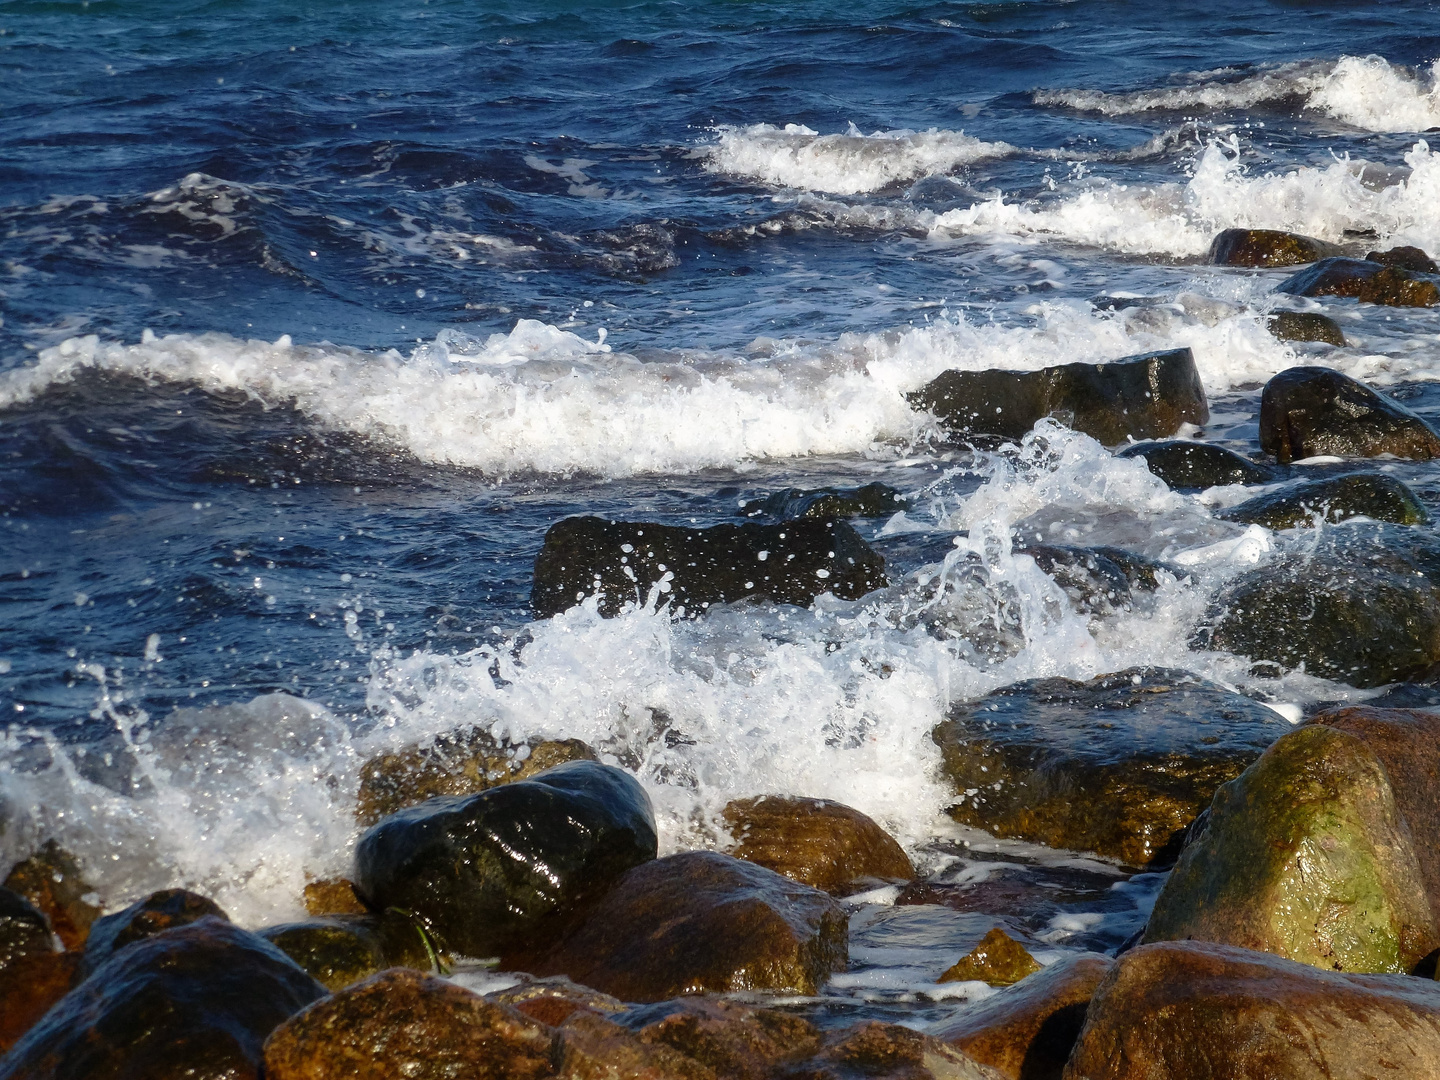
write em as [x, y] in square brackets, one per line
[848, 163]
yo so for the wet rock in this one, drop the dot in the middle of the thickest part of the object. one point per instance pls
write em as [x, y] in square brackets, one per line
[486, 870]
[1026, 1031]
[156, 913]
[196, 1001]
[790, 563]
[1361, 617]
[871, 500]
[1182, 1010]
[1407, 258]
[463, 762]
[891, 1052]
[1308, 855]
[402, 1023]
[999, 960]
[333, 897]
[1306, 326]
[1310, 411]
[1334, 498]
[343, 949]
[589, 1045]
[702, 921]
[1182, 463]
[1136, 397]
[738, 1042]
[1095, 583]
[33, 976]
[823, 844]
[51, 880]
[1368, 282]
[552, 1000]
[1119, 765]
[1266, 247]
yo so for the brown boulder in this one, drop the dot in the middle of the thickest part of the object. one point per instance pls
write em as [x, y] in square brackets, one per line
[1185, 1009]
[1310, 411]
[1027, 1031]
[1407, 258]
[738, 1042]
[701, 921]
[1366, 281]
[889, 1052]
[51, 880]
[333, 897]
[1266, 247]
[1306, 326]
[33, 976]
[823, 844]
[999, 960]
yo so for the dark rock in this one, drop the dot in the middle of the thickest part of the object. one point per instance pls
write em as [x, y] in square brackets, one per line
[823, 844]
[1182, 463]
[1368, 282]
[1306, 326]
[51, 880]
[33, 976]
[702, 921]
[24, 931]
[871, 500]
[194, 1002]
[999, 960]
[889, 1052]
[1266, 247]
[790, 563]
[1361, 617]
[333, 897]
[1136, 397]
[342, 949]
[1095, 583]
[1027, 1031]
[589, 1045]
[1183, 1010]
[1142, 573]
[402, 1023]
[735, 1041]
[487, 870]
[1333, 498]
[157, 912]
[1407, 258]
[462, 762]
[1119, 765]
[1309, 854]
[1310, 411]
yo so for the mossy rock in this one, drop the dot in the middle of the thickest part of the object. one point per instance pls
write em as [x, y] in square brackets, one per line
[1306, 326]
[1183, 463]
[1366, 281]
[339, 950]
[1312, 411]
[999, 960]
[1266, 247]
[1334, 498]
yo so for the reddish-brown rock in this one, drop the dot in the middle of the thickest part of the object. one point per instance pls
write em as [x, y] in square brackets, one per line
[889, 1052]
[33, 976]
[739, 1042]
[333, 897]
[51, 880]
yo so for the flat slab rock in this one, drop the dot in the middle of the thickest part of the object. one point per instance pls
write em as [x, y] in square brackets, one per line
[1119, 765]
[1186, 1009]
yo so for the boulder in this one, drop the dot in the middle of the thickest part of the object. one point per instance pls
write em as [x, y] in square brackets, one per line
[1136, 397]
[1311, 411]
[33, 976]
[342, 949]
[1026, 1031]
[1119, 765]
[461, 762]
[1310, 855]
[823, 844]
[1366, 281]
[1333, 498]
[871, 500]
[333, 896]
[735, 1041]
[1306, 326]
[487, 870]
[1095, 583]
[51, 880]
[889, 1052]
[1181, 1010]
[999, 960]
[1363, 617]
[790, 563]
[193, 1002]
[702, 921]
[589, 1045]
[1182, 463]
[1266, 247]
[1407, 258]
[156, 913]
[552, 1000]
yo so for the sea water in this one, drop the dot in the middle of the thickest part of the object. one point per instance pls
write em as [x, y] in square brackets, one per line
[313, 320]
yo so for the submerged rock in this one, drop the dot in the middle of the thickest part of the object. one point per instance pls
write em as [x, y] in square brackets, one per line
[1407, 258]
[33, 976]
[343, 949]
[462, 762]
[158, 912]
[1310, 855]
[1310, 411]
[999, 960]
[871, 500]
[1094, 582]
[822, 844]
[1181, 1010]
[1026, 1031]
[1182, 463]
[1334, 498]
[1366, 281]
[1266, 247]
[702, 921]
[51, 880]
[1119, 765]
[1306, 326]
[1136, 397]
[493, 868]
[790, 563]
[196, 1001]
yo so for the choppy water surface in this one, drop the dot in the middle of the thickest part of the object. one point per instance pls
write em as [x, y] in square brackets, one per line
[314, 321]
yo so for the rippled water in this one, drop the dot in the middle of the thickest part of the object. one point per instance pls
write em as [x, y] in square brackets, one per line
[313, 322]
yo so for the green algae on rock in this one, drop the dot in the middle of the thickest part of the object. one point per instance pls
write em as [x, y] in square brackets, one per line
[339, 950]
[999, 960]
[1334, 498]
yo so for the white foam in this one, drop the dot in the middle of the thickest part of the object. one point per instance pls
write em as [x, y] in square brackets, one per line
[1366, 92]
[848, 163]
